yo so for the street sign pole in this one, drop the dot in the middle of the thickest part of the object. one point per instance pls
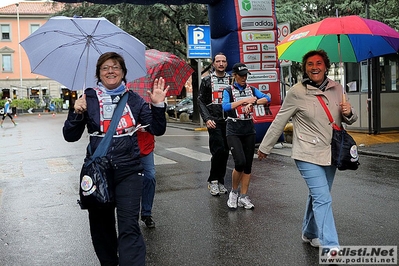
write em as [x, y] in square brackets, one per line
[199, 67]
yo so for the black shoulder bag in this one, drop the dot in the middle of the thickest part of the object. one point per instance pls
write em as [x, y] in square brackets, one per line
[95, 187]
[344, 154]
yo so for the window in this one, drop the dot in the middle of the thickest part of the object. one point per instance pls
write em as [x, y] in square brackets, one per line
[364, 78]
[389, 73]
[34, 27]
[5, 32]
[352, 77]
[6, 63]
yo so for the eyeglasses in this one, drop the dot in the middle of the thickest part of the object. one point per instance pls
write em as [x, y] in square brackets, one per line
[114, 68]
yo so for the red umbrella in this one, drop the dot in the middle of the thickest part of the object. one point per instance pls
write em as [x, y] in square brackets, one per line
[174, 70]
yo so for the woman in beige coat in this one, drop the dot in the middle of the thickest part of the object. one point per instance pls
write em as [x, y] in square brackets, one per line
[311, 148]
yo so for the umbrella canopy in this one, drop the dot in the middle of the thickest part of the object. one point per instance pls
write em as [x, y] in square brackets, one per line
[67, 49]
[345, 39]
[174, 70]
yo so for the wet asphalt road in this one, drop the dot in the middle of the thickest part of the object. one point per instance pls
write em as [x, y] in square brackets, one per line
[41, 224]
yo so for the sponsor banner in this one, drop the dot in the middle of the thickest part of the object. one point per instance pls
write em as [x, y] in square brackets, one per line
[269, 57]
[258, 36]
[258, 23]
[263, 76]
[249, 35]
[268, 47]
[267, 65]
[253, 66]
[360, 255]
[250, 48]
[252, 8]
[251, 58]
[265, 113]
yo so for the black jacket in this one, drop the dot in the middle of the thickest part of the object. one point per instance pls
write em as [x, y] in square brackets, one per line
[209, 111]
[123, 151]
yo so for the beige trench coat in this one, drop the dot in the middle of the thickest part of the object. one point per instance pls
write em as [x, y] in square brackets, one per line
[312, 131]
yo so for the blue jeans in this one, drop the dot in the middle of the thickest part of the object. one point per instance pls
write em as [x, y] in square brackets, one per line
[149, 183]
[318, 221]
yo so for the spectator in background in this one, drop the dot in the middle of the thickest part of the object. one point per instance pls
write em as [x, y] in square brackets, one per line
[210, 108]
[146, 143]
[7, 112]
[238, 102]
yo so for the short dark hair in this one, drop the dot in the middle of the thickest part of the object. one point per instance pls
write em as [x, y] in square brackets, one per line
[116, 58]
[323, 55]
[220, 53]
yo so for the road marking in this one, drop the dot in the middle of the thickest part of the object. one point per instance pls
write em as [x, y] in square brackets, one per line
[11, 170]
[59, 165]
[160, 160]
[199, 156]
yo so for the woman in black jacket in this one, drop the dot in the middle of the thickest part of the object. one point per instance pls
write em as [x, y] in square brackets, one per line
[94, 111]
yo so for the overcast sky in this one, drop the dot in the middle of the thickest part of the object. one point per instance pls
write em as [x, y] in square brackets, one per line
[9, 2]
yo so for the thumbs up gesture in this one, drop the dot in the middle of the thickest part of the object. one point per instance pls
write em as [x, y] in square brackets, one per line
[80, 105]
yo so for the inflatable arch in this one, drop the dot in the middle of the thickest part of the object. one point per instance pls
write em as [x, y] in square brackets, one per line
[245, 31]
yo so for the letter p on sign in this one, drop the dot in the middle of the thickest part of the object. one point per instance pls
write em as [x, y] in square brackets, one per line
[198, 35]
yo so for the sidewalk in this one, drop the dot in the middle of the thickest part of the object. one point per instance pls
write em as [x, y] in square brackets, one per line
[385, 144]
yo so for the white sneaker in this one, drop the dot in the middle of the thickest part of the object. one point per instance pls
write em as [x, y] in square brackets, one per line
[213, 187]
[245, 203]
[232, 202]
[222, 189]
[314, 242]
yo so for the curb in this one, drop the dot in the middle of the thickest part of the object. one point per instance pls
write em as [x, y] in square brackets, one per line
[285, 146]
[379, 154]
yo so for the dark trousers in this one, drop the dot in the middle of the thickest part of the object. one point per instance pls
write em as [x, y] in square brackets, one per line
[220, 152]
[129, 243]
[242, 149]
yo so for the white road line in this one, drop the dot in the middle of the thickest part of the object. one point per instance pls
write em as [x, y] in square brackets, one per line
[160, 160]
[203, 157]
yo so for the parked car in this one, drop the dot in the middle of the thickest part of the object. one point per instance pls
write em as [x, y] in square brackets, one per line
[188, 108]
[173, 110]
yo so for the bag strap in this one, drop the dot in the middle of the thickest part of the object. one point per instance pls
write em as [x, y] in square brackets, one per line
[104, 144]
[323, 104]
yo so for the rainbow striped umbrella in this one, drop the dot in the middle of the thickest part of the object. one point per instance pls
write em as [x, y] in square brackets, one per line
[345, 39]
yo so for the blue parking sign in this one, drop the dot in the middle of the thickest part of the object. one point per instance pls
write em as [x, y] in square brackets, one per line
[198, 41]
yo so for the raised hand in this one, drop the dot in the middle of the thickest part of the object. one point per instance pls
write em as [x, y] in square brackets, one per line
[159, 91]
[80, 105]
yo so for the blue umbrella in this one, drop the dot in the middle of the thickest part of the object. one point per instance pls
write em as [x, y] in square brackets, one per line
[67, 49]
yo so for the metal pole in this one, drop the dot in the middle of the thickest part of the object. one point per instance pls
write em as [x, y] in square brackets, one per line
[19, 47]
[199, 67]
[369, 77]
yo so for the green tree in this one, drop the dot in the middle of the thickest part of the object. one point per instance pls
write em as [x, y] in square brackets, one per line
[386, 11]
[159, 26]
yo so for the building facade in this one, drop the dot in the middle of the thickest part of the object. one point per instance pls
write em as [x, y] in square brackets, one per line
[18, 21]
